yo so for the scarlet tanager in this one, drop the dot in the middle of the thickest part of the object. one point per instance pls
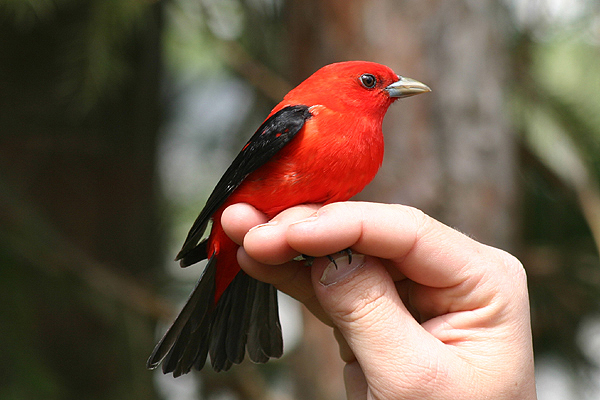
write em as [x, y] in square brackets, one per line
[323, 143]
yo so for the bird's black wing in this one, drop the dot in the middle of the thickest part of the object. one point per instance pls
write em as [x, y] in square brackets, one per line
[277, 131]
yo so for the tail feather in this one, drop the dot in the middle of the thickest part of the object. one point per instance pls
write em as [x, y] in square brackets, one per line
[218, 334]
[239, 318]
[196, 310]
[245, 317]
[264, 333]
[172, 361]
[193, 355]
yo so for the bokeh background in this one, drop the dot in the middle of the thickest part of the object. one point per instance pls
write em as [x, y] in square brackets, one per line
[118, 116]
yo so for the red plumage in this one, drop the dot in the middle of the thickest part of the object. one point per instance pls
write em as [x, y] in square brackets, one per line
[323, 143]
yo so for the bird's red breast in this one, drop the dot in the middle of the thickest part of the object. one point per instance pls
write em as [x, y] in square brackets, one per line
[335, 155]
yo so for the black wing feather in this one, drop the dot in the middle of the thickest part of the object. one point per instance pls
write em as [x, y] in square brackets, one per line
[247, 311]
[277, 131]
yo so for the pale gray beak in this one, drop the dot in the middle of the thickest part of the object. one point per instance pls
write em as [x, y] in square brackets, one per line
[405, 87]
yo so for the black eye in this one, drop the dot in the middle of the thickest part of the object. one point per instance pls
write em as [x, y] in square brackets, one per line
[369, 81]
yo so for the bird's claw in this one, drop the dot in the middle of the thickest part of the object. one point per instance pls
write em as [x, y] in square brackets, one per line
[348, 253]
[308, 260]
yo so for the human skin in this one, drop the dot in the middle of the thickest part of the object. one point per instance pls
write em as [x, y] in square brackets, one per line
[421, 312]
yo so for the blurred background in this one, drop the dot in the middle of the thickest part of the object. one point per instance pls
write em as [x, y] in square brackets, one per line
[117, 117]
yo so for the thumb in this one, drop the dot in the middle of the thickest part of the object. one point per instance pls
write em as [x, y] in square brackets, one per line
[362, 301]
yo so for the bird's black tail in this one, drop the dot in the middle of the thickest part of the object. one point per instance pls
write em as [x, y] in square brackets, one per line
[245, 317]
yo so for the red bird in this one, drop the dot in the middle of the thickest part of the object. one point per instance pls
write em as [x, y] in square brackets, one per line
[323, 143]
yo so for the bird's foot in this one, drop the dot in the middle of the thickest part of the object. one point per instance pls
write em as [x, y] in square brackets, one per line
[308, 260]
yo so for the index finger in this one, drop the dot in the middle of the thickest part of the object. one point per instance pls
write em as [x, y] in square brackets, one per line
[427, 251]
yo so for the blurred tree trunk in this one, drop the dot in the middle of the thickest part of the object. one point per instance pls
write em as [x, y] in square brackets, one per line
[451, 152]
[77, 151]
[477, 148]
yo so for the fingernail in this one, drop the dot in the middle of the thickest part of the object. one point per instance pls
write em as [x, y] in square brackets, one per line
[340, 269]
[270, 223]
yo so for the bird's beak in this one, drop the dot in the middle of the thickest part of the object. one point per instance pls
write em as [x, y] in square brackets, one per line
[405, 87]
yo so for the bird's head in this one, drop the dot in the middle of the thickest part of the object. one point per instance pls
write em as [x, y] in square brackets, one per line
[355, 86]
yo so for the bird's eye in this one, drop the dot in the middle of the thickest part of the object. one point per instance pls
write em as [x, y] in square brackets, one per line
[369, 81]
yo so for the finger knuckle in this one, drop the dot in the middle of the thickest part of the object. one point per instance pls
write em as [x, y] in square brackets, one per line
[511, 267]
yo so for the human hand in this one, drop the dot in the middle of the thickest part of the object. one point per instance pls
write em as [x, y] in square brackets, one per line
[422, 311]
